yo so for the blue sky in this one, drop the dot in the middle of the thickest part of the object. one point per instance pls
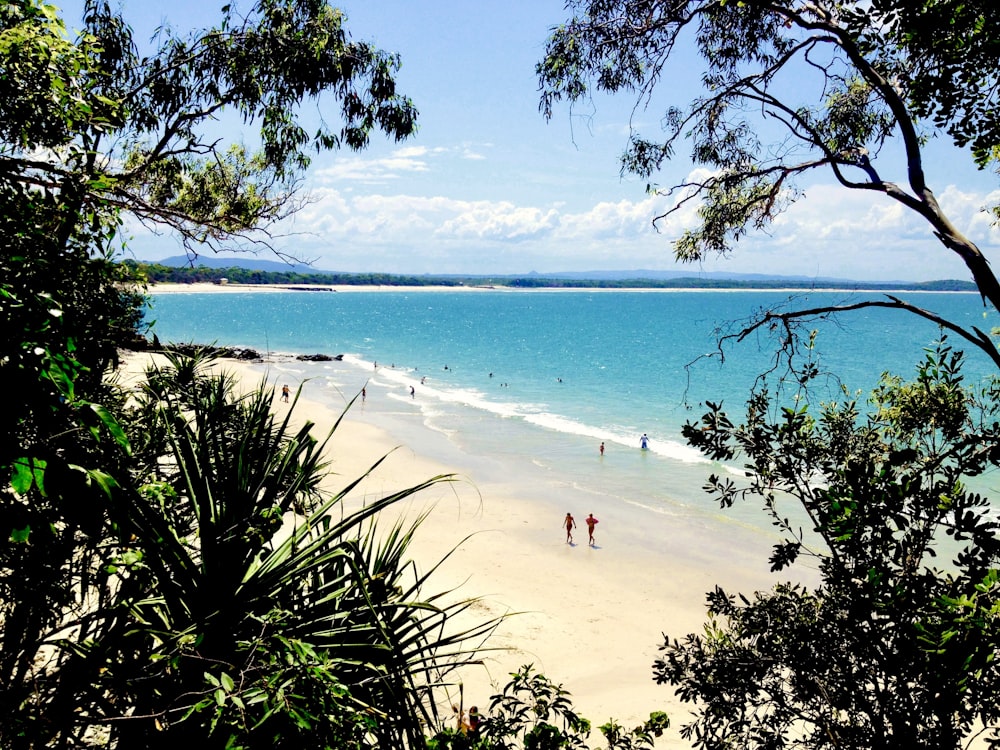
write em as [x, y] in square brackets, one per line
[488, 186]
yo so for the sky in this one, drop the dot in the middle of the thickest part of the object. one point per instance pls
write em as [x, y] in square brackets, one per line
[488, 186]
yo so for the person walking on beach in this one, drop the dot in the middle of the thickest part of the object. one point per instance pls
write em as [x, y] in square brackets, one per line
[284, 393]
[644, 442]
[591, 523]
[364, 394]
[570, 524]
[413, 392]
[602, 448]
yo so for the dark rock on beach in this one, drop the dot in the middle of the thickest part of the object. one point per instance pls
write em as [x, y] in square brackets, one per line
[140, 344]
[237, 353]
[319, 358]
[227, 352]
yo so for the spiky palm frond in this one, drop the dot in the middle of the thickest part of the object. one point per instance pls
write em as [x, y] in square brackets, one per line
[241, 629]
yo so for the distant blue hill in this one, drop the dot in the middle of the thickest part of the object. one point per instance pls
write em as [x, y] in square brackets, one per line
[254, 264]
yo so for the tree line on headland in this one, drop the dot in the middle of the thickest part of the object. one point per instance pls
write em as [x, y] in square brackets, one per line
[156, 273]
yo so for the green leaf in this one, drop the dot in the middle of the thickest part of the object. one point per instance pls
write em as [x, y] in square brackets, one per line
[20, 536]
[27, 472]
[112, 426]
[102, 479]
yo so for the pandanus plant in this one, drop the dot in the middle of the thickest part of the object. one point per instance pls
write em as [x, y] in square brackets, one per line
[256, 610]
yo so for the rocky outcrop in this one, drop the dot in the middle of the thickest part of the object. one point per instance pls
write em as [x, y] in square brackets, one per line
[140, 344]
[319, 358]
[228, 352]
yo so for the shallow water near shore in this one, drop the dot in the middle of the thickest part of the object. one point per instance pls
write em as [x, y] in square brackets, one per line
[525, 385]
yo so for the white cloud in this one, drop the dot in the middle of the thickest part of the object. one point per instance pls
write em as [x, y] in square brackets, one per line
[499, 222]
[399, 162]
[967, 211]
[468, 153]
[832, 231]
[619, 220]
[408, 152]
[356, 168]
[418, 219]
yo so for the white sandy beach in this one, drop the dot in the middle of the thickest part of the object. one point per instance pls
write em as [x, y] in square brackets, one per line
[205, 287]
[590, 618]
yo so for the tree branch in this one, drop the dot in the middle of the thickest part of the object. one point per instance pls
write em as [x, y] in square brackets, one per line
[979, 339]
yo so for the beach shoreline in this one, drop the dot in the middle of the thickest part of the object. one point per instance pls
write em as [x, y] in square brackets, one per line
[590, 618]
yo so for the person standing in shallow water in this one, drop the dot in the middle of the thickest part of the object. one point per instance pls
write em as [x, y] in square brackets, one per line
[602, 448]
[570, 524]
[644, 442]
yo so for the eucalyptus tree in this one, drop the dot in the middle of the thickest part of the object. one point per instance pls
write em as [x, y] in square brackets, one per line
[896, 646]
[789, 90]
[97, 130]
[893, 647]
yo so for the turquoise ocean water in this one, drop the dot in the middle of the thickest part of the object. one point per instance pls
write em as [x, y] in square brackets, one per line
[526, 384]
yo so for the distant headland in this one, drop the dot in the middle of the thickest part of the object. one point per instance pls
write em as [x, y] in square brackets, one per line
[179, 270]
